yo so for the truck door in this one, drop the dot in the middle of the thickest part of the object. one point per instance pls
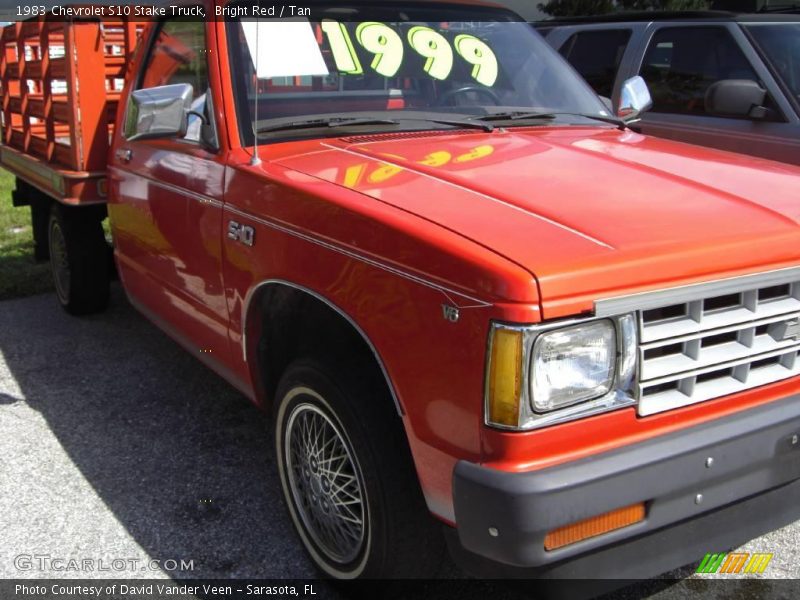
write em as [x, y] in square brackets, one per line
[166, 206]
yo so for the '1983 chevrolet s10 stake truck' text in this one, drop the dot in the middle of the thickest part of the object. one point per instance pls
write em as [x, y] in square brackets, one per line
[461, 287]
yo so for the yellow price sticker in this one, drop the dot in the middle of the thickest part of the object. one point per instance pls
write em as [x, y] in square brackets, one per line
[485, 68]
[389, 52]
[435, 47]
[342, 48]
[385, 44]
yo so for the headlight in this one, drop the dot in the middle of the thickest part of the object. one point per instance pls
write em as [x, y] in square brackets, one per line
[572, 365]
[546, 374]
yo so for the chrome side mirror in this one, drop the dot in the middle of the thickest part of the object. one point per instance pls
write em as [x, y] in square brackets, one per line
[159, 112]
[634, 99]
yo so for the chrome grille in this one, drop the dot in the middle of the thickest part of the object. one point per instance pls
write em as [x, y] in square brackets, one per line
[717, 345]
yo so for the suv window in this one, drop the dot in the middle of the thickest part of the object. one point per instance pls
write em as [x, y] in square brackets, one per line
[780, 43]
[178, 55]
[682, 62]
[596, 55]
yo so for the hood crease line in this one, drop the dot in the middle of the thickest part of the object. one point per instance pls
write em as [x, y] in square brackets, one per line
[573, 231]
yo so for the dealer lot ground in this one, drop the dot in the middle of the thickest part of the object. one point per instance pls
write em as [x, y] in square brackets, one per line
[122, 459]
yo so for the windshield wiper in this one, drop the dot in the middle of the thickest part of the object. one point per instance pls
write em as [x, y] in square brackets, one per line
[515, 115]
[521, 115]
[326, 122]
[355, 121]
[471, 123]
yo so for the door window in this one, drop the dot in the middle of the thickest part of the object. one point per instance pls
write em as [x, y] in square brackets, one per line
[179, 56]
[681, 63]
[596, 55]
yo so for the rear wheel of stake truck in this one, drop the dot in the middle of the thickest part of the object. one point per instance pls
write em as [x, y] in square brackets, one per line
[79, 258]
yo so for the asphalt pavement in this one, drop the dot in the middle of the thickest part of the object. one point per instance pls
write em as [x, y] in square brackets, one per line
[122, 456]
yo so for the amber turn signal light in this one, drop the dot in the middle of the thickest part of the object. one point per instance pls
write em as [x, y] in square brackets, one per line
[594, 526]
[505, 377]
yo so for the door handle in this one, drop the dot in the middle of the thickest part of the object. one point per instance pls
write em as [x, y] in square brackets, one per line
[124, 154]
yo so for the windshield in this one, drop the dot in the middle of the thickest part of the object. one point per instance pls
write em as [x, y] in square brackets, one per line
[780, 42]
[390, 67]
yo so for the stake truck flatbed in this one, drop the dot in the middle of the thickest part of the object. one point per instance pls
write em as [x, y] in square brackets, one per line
[55, 132]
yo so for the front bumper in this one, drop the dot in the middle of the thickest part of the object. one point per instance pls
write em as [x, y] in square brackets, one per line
[751, 486]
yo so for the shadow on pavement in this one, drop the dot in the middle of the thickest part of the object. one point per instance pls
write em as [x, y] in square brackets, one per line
[179, 456]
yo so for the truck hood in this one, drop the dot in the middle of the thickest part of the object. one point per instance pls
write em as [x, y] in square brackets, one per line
[590, 212]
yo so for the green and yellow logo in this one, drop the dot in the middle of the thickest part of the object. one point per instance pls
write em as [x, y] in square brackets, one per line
[734, 562]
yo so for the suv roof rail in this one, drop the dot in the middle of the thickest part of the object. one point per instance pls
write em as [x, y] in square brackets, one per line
[756, 6]
[649, 15]
[768, 12]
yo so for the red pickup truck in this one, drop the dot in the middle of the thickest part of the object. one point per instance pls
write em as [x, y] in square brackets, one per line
[462, 289]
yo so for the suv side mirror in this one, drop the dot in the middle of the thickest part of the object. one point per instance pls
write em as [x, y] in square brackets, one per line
[634, 99]
[736, 98]
[159, 112]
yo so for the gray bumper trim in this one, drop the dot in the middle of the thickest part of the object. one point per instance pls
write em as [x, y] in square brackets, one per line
[752, 453]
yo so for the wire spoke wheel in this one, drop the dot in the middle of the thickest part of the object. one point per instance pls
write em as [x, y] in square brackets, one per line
[347, 475]
[325, 482]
